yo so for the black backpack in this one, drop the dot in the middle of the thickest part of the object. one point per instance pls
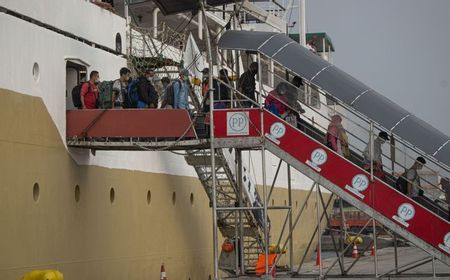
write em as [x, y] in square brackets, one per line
[76, 98]
[402, 184]
[76, 94]
[170, 93]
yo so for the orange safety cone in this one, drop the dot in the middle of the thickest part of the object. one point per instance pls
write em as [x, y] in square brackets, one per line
[162, 275]
[318, 257]
[373, 250]
[355, 253]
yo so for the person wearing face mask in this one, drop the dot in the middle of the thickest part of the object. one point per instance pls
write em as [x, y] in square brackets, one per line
[148, 97]
[120, 87]
[89, 91]
[377, 155]
[247, 85]
[181, 91]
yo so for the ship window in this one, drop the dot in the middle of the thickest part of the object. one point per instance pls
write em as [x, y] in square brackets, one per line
[36, 71]
[174, 198]
[77, 193]
[192, 199]
[149, 196]
[112, 195]
[273, 202]
[118, 43]
[36, 192]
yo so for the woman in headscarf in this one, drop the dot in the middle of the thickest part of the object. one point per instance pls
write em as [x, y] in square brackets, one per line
[336, 138]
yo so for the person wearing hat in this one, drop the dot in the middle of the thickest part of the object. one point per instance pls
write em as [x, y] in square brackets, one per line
[181, 90]
[413, 178]
[377, 155]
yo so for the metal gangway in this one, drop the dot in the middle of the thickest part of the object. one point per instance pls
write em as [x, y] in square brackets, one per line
[216, 155]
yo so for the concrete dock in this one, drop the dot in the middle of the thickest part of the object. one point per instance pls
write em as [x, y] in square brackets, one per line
[365, 267]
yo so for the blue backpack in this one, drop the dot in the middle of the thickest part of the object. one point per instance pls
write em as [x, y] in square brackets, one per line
[132, 97]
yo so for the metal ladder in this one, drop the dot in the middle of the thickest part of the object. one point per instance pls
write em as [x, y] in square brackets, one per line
[227, 192]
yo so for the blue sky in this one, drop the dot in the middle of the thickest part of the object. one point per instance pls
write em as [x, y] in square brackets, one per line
[399, 48]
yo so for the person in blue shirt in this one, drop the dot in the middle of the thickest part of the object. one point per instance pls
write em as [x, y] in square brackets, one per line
[181, 91]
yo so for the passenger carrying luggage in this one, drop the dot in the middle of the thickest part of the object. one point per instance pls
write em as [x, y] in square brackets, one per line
[131, 98]
[105, 95]
[76, 95]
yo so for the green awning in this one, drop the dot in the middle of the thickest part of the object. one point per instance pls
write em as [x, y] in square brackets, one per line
[316, 39]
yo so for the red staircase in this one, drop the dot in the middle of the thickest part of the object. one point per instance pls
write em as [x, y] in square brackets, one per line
[406, 217]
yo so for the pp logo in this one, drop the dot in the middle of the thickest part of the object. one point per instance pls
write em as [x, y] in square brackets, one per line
[237, 123]
[360, 183]
[446, 245]
[318, 158]
[277, 130]
[405, 212]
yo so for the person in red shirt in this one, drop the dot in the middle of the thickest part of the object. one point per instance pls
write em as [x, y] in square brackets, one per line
[89, 91]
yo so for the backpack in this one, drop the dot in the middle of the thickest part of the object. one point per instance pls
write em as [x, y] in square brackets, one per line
[131, 98]
[402, 183]
[170, 93]
[105, 95]
[76, 95]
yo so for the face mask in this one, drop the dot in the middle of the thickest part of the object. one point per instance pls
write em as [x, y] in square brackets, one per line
[186, 79]
[149, 79]
[97, 81]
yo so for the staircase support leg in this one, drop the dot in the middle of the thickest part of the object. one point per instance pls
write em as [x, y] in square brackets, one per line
[291, 242]
[319, 234]
[341, 208]
[213, 154]
[275, 180]
[395, 253]
[433, 264]
[375, 247]
[241, 204]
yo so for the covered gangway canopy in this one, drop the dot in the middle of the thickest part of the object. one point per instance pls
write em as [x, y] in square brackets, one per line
[169, 7]
[343, 87]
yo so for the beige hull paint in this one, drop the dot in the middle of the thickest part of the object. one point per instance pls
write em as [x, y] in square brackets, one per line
[95, 238]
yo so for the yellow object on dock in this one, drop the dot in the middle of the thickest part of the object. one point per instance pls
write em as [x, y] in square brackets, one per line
[351, 239]
[43, 275]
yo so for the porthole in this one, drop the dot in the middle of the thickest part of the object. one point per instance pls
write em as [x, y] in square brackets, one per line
[112, 195]
[174, 198]
[192, 199]
[77, 193]
[35, 71]
[149, 197]
[118, 43]
[36, 192]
